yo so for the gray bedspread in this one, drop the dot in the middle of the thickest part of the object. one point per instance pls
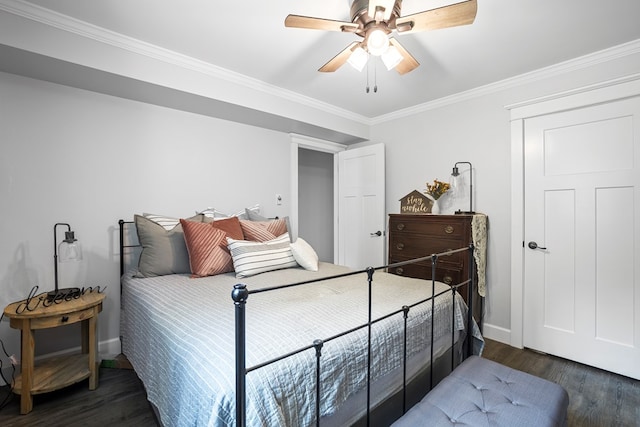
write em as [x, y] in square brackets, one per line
[178, 333]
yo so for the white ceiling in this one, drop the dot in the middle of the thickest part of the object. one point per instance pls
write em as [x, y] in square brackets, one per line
[508, 38]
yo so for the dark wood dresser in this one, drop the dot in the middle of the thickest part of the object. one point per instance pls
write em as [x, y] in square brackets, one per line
[417, 236]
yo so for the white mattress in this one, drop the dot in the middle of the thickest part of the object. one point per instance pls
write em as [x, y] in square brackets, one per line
[178, 333]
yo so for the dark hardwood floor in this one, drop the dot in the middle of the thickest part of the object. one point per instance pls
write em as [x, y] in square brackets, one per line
[119, 400]
[597, 398]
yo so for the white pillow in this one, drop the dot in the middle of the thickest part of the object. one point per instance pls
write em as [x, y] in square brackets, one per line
[251, 258]
[304, 254]
[216, 214]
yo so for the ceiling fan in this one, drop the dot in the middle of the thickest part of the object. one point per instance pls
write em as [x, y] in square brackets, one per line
[374, 20]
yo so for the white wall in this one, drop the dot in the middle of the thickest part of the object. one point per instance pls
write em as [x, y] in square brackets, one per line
[128, 157]
[425, 146]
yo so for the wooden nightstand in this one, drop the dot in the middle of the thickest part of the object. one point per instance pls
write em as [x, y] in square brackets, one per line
[55, 372]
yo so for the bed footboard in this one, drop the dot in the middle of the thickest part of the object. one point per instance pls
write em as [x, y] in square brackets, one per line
[240, 296]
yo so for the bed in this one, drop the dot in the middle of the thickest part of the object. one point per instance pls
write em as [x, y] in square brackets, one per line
[290, 346]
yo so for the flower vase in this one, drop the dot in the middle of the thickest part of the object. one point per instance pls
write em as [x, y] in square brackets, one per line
[435, 208]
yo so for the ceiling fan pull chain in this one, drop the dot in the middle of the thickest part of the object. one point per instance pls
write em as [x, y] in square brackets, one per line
[375, 77]
[367, 89]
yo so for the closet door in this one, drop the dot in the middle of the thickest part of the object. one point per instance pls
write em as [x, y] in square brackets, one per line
[582, 235]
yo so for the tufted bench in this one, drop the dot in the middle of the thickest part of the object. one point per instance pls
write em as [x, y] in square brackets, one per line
[481, 392]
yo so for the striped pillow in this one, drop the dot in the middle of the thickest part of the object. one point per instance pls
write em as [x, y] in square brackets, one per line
[262, 231]
[250, 258]
[206, 244]
[166, 222]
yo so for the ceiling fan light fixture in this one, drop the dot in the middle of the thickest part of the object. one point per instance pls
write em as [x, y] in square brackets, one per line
[377, 42]
[391, 57]
[358, 58]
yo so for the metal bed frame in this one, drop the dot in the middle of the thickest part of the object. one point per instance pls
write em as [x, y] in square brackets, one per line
[241, 293]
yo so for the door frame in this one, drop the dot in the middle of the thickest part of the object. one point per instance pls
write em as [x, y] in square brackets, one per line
[314, 144]
[603, 92]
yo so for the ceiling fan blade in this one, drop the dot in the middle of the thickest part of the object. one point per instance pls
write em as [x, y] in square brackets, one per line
[339, 60]
[308, 22]
[408, 62]
[463, 13]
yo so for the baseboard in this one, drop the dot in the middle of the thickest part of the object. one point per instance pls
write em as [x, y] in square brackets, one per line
[496, 333]
[109, 349]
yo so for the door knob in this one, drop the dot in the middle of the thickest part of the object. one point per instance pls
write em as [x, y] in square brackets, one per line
[534, 245]
[377, 233]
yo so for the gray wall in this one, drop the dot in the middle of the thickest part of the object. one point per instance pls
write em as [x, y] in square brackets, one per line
[315, 198]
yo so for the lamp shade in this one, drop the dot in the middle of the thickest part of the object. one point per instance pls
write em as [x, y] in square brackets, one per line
[391, 57]
[377, 42]
[69, 249]
[358, 58]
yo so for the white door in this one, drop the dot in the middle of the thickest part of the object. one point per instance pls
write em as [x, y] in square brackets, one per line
[361, 207]
[582, 209]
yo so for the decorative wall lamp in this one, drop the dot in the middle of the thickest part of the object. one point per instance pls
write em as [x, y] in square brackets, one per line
[456, 185]
[69, 250]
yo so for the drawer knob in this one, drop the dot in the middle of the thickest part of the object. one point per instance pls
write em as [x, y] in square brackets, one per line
[447, 279]
[400, 271]
[400, 226]
[448, 229]
[400, 246]
[65, 319]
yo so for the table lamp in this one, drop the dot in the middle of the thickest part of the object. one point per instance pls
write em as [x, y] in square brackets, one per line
[68, 250]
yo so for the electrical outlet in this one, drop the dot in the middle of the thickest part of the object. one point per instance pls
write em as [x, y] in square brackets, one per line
[278, 199]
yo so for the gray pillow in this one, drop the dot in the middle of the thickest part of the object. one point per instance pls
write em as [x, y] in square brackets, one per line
[254, 216]
[163, 251]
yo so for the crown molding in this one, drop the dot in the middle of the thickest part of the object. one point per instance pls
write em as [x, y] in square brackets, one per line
[84, 29]
[66, 23]
[616, 52]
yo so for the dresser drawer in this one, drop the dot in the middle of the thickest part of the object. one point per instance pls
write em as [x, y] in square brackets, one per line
[64, 319]
[414, 246]
[450, 276]
[437, 227]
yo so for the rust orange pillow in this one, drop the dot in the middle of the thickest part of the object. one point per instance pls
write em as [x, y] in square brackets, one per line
[262, 231]
[207, 247]
[230, 225]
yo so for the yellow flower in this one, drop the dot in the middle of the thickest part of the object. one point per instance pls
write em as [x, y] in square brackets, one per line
[437, 189]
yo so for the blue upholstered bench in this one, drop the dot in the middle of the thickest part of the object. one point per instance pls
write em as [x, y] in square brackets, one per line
[481, 392]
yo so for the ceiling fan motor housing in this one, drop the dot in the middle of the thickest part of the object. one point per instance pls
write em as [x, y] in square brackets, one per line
[360, 15]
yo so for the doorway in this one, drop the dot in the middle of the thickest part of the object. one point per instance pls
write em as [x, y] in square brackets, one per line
[315, 201]
[358, 200]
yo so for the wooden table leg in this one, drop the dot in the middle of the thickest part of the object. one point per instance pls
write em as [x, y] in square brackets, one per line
[26, 367]
[89, 342]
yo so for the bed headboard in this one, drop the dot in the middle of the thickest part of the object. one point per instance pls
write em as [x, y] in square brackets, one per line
[130, 247]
